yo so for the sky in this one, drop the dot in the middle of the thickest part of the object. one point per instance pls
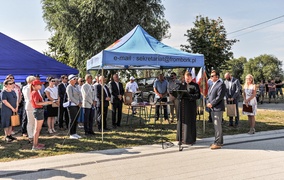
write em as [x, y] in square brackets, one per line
[22, 20]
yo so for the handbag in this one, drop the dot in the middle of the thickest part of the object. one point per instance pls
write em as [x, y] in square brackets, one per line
[15, 119]
[247, 108]
[231, 110]
[54, 104]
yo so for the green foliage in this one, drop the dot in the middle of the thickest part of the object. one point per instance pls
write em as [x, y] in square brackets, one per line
[263, 67]
[208, 37]
[236, 67]
[84, 28]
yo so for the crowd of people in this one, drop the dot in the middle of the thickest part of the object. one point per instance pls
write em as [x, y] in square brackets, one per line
[271, 89]
[78, 102]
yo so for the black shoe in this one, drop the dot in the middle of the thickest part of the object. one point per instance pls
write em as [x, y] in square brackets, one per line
[91, 133]
[13, 138]
[7, 139]
[114, 126]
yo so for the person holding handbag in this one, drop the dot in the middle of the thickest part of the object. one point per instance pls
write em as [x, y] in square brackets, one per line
[250, 100]
[37, 103]
[9, 106]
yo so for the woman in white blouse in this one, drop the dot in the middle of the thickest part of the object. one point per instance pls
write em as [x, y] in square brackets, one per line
[52, 110]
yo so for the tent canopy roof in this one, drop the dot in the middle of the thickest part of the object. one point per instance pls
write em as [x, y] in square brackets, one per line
[138, 49]
[19, 59]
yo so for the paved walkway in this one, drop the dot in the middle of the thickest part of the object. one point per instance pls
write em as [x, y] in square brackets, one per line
[258, 156]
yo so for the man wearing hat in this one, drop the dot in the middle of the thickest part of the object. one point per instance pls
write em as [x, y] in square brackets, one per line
[132, 87]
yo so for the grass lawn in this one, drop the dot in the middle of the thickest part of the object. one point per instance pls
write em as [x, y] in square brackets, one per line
[127, 135]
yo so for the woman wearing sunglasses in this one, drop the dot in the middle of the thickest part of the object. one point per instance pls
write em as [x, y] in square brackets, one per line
[9, 106]
[52, 111]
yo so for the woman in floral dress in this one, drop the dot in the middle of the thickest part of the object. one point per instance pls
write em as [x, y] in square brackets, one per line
[250, 99]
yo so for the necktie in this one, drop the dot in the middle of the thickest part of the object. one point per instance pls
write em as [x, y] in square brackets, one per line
[105, 88]
[117, 84]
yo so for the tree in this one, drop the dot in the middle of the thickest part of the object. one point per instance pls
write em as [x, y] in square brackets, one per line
[83, 28]
[263, 67]
[236, 67]
[208, 37]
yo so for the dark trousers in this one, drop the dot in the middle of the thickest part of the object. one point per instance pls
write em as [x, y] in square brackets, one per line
[116, 107]
[63, 112]
[99, 119]
[73, 112]
[164, 107]
[88, 119]
[217, 121]
[24, 122]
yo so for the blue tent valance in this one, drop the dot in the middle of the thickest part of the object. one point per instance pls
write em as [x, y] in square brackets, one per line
[139, 49]
[19, 59]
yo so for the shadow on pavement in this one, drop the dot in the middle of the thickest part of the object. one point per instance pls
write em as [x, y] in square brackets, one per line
[40, 174]
[114, 152]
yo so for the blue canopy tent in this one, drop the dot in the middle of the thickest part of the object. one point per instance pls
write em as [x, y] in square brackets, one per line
[139, 50]
[22, 61]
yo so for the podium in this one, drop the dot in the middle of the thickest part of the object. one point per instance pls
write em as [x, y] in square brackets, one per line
[178, 94]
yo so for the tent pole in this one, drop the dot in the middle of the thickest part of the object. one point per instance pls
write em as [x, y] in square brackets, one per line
[204, 85]
[102, 105]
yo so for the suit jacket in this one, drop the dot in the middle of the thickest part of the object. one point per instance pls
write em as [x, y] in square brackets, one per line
[88, 95]
[99, 95]
[115, 92]
[216, 96]
[234, 90]
[62, 93]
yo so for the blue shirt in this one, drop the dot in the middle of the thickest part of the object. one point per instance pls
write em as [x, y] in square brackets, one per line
[161, 87]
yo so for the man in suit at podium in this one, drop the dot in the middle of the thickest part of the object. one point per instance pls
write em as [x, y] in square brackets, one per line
[215, 102]
[117, 92]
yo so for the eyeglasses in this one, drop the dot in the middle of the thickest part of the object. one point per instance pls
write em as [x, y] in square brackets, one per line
[11, 78]
[11, 83]
[53, 81]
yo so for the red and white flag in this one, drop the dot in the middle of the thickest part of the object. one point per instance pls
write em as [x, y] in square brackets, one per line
[201, 80]
[193, 75]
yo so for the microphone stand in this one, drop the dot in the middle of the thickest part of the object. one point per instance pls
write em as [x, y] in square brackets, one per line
[179, 96]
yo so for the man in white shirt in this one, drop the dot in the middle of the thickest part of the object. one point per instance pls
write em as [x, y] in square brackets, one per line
[132, 87]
